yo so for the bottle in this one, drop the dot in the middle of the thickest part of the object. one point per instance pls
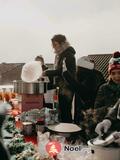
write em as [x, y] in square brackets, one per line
[56, 99]
[56, 105]
[40, 125]
[47, 116]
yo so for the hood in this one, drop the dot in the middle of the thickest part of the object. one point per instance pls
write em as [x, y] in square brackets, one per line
[85, 62]
[71, 50]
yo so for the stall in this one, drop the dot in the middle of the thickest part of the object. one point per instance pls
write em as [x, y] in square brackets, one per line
[32, 94]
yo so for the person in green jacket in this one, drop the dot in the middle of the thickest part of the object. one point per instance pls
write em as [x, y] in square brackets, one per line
[109, 92]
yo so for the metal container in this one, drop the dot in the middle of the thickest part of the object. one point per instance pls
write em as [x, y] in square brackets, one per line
[64, 129]
[37, 87]
[40, 128]
[104, 153]
[27, 128]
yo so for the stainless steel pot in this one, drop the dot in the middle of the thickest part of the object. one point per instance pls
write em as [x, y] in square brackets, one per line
[104, 153]
[37, 87]
[27, 128]
[64, 129]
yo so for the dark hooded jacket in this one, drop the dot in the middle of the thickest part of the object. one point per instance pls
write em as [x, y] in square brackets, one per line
[85, 89]
[107, 95]
[68, 55]
[114, 116]
[85, 86]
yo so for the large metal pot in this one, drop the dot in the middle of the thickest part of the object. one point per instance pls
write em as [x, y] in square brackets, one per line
[104, 153]
[27, 128]
[37, 87]
[64, 129]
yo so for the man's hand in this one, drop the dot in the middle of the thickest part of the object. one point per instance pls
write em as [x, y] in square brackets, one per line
[117, 137]
[103, 126]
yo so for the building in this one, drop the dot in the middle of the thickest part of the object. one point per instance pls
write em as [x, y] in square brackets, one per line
[12, 71]
[101, 62]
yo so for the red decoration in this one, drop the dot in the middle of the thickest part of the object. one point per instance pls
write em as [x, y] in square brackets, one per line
[53, 148]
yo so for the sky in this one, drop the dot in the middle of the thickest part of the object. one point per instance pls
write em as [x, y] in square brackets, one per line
[27, 26]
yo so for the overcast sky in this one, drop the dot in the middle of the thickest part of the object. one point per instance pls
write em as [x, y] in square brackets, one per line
[26, 27]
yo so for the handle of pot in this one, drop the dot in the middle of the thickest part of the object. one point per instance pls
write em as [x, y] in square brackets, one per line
[92, 151]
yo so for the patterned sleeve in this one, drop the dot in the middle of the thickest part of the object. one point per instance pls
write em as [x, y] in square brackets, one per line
[100, 98]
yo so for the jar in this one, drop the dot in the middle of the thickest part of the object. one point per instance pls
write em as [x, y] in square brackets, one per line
[27, 128]
[40, 125]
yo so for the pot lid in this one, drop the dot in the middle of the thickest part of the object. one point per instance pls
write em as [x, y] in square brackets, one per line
[64, 128]
[99, 141]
